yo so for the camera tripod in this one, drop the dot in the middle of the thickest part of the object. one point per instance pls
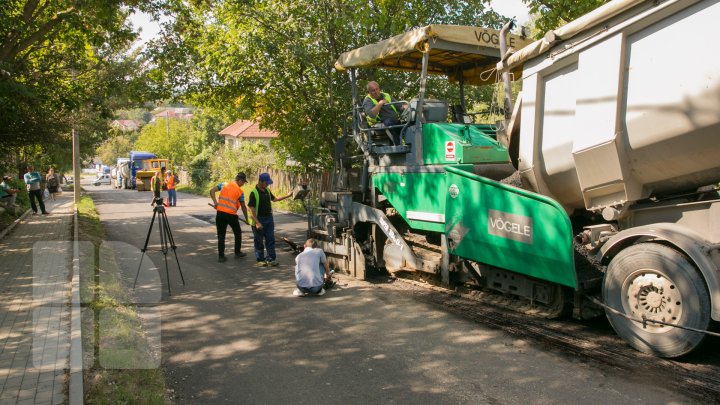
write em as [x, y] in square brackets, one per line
[166, 238]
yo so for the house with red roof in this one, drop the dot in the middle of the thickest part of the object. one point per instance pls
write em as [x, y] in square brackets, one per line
[126, 125]
[245, 130]
[181, 113]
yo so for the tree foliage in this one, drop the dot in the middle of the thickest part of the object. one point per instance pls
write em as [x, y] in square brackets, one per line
[552, 14]
[181, 140]
[167, 139]
[274, 59]
[63, 65]
[199, 168]
[66, 64]
[118, 145]
[249, 157]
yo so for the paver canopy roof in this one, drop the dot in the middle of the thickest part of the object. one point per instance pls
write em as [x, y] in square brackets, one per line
[455, 51]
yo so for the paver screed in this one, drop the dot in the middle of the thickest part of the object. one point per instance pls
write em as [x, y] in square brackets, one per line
[35, 289]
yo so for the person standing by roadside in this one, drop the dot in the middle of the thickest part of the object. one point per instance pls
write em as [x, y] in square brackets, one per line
[156, 185]
[32, 182]
[261, 220]
[231, 199]
[52, 181]
[170, 184]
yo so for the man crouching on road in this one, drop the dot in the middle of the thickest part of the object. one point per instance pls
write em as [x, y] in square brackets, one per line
[309, 266]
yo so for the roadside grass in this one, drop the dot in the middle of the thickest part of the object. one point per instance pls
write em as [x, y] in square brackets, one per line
[193, 189]
[130, 375]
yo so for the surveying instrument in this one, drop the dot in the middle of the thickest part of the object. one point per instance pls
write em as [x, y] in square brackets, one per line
[166, 240]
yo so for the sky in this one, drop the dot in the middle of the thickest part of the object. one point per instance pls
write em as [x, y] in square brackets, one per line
[148, 28]
[512, 8]
[508, 8]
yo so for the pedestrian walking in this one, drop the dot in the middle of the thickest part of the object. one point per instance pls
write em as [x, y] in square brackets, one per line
[32, 183]
[261, 220]
[231, 199]
[170, 184]
[52, 181]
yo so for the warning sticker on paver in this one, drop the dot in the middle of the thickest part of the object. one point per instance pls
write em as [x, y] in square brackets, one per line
[450, 150]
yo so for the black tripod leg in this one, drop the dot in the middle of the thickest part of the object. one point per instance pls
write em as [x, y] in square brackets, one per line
[162, 223]
[147, 239]
[172, 245]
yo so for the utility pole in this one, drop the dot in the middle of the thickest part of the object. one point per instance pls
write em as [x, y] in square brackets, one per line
[75, 156]
[76, 166]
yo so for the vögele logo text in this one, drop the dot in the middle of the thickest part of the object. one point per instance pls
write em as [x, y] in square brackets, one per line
[510, 226]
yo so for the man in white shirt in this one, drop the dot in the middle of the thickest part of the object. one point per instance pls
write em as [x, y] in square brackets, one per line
[311, 270]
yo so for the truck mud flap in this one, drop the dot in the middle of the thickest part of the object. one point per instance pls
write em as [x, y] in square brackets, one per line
[507, 227]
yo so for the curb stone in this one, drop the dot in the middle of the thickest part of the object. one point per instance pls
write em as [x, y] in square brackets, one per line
[17, 221]
[76, 391]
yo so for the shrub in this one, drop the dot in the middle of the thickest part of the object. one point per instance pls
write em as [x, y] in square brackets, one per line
[200, 168]
[249, 157]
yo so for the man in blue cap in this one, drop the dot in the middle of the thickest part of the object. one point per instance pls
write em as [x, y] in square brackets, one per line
[261, 220]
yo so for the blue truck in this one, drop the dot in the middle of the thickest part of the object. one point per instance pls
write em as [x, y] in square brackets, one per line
[136, 164]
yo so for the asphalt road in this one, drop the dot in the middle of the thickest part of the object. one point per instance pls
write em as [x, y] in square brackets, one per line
[235, 334]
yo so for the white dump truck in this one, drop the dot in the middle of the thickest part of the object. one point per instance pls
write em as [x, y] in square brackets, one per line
[122, 173]
[619, 122]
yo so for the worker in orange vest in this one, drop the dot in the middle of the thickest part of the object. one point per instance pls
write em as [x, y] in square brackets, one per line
[170, 184]
[231, 199]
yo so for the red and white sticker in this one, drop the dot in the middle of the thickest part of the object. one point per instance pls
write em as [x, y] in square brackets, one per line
[450, 150]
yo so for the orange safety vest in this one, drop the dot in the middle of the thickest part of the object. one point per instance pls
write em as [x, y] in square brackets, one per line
[229, 200]
[170, 182]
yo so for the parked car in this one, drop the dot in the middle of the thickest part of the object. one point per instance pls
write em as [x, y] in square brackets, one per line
[102, 179]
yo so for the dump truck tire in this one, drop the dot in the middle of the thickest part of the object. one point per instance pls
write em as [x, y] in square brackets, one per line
[656, 282]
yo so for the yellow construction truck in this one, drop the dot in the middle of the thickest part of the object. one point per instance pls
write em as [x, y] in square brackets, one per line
[147, 172]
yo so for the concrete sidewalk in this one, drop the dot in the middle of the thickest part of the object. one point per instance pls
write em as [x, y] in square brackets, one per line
[35, 268]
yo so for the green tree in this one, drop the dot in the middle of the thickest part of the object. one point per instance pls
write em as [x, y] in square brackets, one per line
[249, 157]
[206, 124]
[166, 138]
[65, 65]
[200, 168]
[275, 59]
[118, 145]
[181, 140]
[552, 14]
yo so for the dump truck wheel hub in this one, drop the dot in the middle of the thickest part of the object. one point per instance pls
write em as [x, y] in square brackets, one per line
[652, 296]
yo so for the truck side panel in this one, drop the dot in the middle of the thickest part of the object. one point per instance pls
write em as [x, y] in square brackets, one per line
[625, 112]
[672, 100]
